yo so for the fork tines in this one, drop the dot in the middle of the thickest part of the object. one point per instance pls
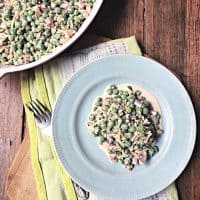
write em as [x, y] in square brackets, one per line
[39, 110]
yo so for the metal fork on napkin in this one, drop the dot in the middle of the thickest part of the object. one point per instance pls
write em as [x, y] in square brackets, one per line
[43, 117]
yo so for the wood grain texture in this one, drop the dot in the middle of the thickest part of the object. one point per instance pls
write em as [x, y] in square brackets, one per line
[189, 181]
[168, 31]
[11, 120]
[21, 182]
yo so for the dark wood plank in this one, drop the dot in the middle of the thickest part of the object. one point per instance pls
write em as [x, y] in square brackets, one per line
[11, 118]
[120, 19]
[189, 181]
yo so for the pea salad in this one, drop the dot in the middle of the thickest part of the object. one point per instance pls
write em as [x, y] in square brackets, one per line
[30, 29]
[126, 124]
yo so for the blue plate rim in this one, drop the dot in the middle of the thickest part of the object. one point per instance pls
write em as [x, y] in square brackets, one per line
[87, 66]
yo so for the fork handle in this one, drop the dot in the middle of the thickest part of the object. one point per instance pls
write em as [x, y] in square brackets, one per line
[47, 131]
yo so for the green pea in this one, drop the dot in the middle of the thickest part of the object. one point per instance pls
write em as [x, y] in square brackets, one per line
[151, 152]
[131, 106]
[40, 46]
[127, 161]
[104, 125]
[145, 111]
[111, 124]
[124, 127]
[4, 55]
[92, 117]
[11, 37]
[142, 129]
[45, 15]
[20, 45]
[58, 2]
[138, 110]
[30, 37]
[126, 93]
[29, 18]
[33, 2]
[105, 108]
[13, 31]
[19, 51]
[46, 44]
[114, 110]
[81, 17]
[131, 98]
[121, 92]
[47, 33]
[115, 91]
[128, 135]
[17, 24]
[121, 160]
[98, 104]
[129, 110]
[126, 151]
[32, 49]
[101, 139]
[127, 143]
[37, 22]
[97, 129]
[30, 12]
[159, 131]
[131, 129]
[119, 100]
[109, 91]
[99, 99]
[28, 28]
[124, 97]
[70, 9]
[146, 103]
[58, 36]
[26, 50]
[113, 87]
[32, 59]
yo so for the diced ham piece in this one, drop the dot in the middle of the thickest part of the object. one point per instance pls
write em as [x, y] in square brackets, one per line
[135, 161]
[113, 158]
[64, 4]
[38, 12]
[142, 157]
[105, 145]
[2, 48]
[138, 103]
[50, 24]
[84, 13]
[3, 37]
[27, 58]
[88, 9]
[81, 5]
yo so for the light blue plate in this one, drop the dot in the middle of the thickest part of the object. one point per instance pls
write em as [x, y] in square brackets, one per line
[78, 150]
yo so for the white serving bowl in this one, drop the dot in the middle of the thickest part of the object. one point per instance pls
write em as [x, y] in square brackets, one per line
[7, 69]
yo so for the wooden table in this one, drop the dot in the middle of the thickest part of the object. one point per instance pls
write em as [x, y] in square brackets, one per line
[168, 31]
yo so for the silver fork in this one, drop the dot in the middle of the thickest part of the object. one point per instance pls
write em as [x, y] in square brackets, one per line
[43, 116]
